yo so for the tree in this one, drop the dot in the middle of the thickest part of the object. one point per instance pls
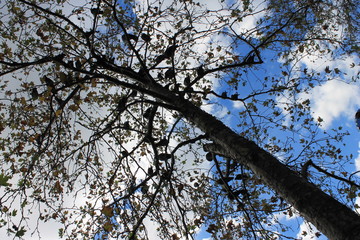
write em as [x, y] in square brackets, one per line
[102, 104]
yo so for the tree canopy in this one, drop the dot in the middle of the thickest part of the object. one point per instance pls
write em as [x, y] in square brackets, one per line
[107, 123]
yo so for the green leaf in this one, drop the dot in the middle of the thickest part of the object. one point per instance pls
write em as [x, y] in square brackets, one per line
[20, 232]
[14, 212]
[4, 180]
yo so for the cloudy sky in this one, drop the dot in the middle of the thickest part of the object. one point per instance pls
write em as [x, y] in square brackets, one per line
[335, 102]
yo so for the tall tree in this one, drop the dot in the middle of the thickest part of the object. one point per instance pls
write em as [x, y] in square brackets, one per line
[104, 127]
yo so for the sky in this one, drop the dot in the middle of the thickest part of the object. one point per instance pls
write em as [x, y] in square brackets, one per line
[336, 102]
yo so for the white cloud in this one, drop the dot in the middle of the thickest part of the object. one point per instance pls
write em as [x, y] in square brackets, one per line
[238, 105]
[357, 160]
[332, 100]
[335, 98]
[307, 232]
[318, 61]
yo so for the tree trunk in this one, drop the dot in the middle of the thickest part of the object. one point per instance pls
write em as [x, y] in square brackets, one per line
[332, 218]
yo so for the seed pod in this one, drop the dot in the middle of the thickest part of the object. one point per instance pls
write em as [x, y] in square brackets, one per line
[164, 156]
[78, 64]
[187, 81]
[170, 51]
[147, 113]
[128, 37]
[34, 93]
[160, 76]
[49, 82]
[235, 96]
[126, 125]
[145, 37]
[170, 73]
[96, 11]
[144, 189]
[209, 156]
[162, 142]
[200, 71]
[122, 104]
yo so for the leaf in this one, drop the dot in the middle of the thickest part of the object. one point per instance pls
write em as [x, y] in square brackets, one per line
[20, 232]
[63, 77]
[327, 69]
[23, 101]
[212, 228]
[61, 232]
[108, 211]
[73, 107]
[301, 48]
[57, 187]
[58, 112]
[4, 180]
[145, 37]
[145, 189]
[175, 237]
[108, 226]
[14, 212]
[241, 177]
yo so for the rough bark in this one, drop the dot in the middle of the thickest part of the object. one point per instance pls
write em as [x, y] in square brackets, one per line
[332, 218]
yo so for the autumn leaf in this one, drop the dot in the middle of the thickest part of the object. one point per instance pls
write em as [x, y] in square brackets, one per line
[74, 107]
[57, 187]
[108, 226]
[58, 112]
[108, 211]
